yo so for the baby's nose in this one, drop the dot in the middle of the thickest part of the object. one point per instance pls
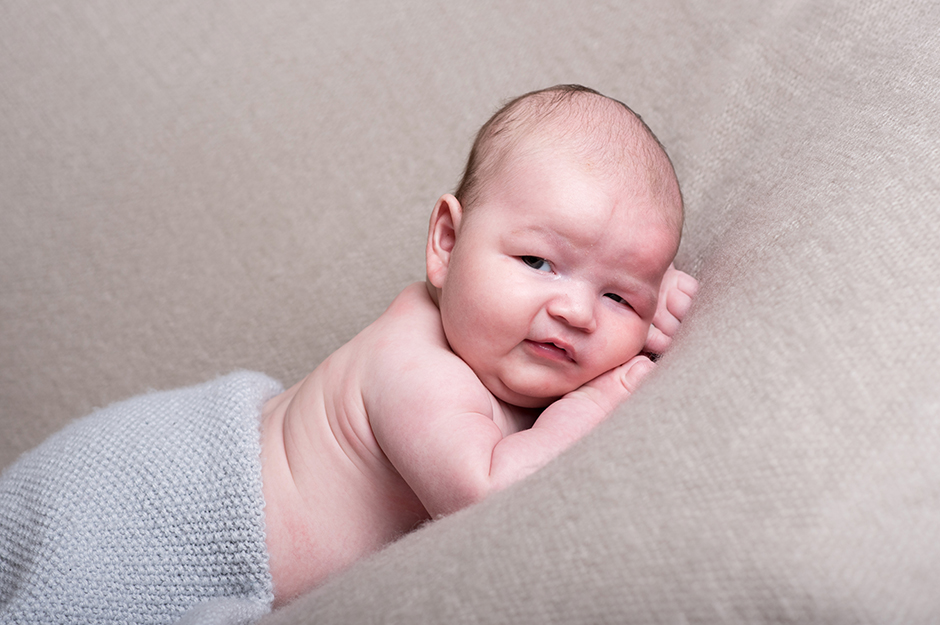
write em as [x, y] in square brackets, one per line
[574, 306]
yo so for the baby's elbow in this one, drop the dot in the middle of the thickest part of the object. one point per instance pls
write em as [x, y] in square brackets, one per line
[460, 495]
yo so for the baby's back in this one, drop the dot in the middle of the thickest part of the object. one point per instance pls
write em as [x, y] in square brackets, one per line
[332, 496]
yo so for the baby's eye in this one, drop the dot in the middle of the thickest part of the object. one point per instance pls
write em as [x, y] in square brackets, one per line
[536, 263]
[617, 299]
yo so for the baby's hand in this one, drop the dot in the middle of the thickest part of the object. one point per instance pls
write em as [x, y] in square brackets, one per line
[585, 407]
[675, 298]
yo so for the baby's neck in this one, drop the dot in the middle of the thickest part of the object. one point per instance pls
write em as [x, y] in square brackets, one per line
[433, 292]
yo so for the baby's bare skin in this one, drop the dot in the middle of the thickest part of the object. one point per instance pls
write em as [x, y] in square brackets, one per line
[331, 493]
[394, 429]
[525, 337]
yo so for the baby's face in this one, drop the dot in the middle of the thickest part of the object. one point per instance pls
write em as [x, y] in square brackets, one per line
[553, 278]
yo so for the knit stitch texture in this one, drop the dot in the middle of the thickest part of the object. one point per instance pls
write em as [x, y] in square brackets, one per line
[140, 511]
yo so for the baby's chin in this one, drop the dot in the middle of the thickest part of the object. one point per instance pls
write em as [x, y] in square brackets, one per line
[523, 400]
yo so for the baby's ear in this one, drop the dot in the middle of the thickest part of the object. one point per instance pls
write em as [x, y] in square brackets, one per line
[442, 236]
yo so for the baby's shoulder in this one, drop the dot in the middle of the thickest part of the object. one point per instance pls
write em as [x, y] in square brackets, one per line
[414, 383]
[414, 299]
[409, 331]
[406, 350]
[412, 320]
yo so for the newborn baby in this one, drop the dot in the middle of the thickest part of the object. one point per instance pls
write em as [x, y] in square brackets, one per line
[545, 273]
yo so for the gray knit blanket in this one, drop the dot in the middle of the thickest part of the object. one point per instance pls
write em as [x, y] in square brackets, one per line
[147, 511]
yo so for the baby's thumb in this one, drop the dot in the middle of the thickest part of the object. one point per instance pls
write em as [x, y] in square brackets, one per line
[613, 387]
[633, 372]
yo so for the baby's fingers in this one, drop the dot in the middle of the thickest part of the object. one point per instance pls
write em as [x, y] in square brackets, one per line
[675, 299]
[679, 298]
[678, 302]
[657, 342]
[614, 387]
[633, 372]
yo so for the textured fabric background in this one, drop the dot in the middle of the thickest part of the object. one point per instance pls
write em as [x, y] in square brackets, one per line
[190, 188]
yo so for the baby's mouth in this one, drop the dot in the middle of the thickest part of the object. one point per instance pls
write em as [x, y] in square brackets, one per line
[551, 350]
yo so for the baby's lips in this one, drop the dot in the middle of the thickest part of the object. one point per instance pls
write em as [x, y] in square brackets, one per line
[558, 344]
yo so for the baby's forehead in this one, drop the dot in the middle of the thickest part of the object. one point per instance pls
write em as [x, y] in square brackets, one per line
[597, 133]
[635, 174]
[582, 211]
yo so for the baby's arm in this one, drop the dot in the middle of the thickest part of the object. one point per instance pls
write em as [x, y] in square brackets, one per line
[436, 423]
[565, 421]
[448, 437]
[448, 446]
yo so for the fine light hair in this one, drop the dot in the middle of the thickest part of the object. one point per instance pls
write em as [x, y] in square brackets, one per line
[585, 123]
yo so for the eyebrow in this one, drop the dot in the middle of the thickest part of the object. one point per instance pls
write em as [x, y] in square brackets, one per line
[545, 231]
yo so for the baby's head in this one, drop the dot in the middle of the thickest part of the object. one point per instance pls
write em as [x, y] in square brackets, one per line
[578, 120]
[546, 263]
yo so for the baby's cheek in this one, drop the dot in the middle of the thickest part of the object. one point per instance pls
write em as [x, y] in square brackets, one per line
[630, 341]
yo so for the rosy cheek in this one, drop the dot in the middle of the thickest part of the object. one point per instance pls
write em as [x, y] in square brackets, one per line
[631, 338]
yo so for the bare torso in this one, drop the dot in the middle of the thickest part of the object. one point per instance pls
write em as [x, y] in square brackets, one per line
[332, 494]
[394, 429]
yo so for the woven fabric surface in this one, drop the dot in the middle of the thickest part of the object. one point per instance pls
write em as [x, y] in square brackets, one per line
[140, 511]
